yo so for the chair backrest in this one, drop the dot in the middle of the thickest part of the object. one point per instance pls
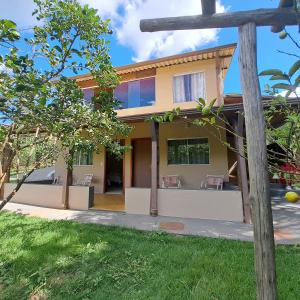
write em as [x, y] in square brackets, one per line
[171, 181]
[214, 180]
[56, 180]
[87, 179]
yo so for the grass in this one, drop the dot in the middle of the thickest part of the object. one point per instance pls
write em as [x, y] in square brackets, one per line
[42, 259]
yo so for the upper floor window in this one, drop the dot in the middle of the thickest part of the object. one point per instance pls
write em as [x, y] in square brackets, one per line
[88, 94]
[188, 87]
[136, 93]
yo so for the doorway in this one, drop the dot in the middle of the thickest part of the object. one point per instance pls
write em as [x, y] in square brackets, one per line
[141, 163]
[114, 171]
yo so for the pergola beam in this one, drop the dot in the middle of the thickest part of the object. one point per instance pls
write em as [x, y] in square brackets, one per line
[282, 4]
[261, 17]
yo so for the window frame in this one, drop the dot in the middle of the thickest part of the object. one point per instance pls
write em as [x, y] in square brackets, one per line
[188, 73]
[84, 165]
[138, 79]
[190, 138]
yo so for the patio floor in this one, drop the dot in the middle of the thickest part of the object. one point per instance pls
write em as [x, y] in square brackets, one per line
[286, 221]
[110, 202]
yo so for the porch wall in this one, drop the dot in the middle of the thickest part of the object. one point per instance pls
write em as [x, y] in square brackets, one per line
[49, 195]
[202, 204]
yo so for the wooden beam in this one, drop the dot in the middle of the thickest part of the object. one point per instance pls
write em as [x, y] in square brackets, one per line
[208, 7]
[154, 168]
[242, 166]
[258, 166]
[282, 4]
[219, 79]
[261, 17]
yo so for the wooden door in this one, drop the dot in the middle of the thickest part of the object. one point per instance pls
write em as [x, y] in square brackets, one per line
[141, 161]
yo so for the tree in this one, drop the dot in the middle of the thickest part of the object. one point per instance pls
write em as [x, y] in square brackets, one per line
[41, 102]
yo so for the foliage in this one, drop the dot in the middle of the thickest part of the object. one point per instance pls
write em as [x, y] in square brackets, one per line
[89, 261]
[42, 101]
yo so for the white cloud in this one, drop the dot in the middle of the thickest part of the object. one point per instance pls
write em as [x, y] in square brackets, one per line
[292, 95]
[125, 16]
[147, 45]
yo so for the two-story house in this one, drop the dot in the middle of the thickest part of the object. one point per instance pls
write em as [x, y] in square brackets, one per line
[168, 162]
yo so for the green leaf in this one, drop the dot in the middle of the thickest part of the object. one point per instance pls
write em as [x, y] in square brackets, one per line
[10, 24]
[294, 68]
[297, 81]
[202, 101]
[280, 77]
[271, 72]
[57, 48]
[282, 86]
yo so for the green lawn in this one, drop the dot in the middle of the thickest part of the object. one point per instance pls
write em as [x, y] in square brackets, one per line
[42, 259]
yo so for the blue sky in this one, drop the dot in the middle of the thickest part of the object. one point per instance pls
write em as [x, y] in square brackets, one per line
[129, 45]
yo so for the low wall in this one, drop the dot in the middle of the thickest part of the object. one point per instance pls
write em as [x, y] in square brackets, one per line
[200, 204]
[36, 194]
[137, 201]
[80, 197]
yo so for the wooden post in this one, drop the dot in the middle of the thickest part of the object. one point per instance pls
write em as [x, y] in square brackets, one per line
[208, 7]
[154, 168]
[67, 182]
[258, 169]
[242, 166]
[219, 78]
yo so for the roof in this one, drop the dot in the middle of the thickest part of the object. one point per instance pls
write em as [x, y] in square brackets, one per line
[232, 104]
[224, 51]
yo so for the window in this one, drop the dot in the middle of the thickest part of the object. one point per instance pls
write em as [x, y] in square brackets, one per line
[83, 158]
[136, 93]
[189, 87]
[188, 151]
[87, 95]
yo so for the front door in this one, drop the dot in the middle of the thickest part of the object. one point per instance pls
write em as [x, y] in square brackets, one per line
[141, 160]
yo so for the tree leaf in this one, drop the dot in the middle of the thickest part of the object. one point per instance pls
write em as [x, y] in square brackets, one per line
[271, 72]
[294, 68]
[283, 86]
[280, 77]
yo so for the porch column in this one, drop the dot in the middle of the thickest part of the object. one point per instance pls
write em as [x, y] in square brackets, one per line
[154, 167]
[242, 166]
[67, 181]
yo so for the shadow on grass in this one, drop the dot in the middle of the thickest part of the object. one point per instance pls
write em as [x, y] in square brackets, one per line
[69, 260]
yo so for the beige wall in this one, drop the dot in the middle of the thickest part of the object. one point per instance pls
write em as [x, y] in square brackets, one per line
[97, 169]
[191, 175]
[164, 87]
[201, 204]
[49, 195]
[37, 194]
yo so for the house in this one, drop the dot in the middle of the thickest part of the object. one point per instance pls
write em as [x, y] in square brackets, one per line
[134, 184]
[165, 170]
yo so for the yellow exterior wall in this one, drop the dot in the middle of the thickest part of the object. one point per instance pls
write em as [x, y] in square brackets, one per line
[164, 87]
[191, 175]
[97, 169]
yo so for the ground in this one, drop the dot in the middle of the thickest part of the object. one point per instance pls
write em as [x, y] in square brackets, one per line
[42, 259]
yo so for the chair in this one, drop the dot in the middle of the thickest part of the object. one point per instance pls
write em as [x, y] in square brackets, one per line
[213, 181]
[56, 180]
[171, 181]
[87, 180]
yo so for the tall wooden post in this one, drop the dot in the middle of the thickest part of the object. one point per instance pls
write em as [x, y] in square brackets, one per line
[67, 182]
[154, 168]
[258, 169]
[242, 166]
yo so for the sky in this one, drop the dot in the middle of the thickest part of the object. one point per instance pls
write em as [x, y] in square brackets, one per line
[129, 45]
